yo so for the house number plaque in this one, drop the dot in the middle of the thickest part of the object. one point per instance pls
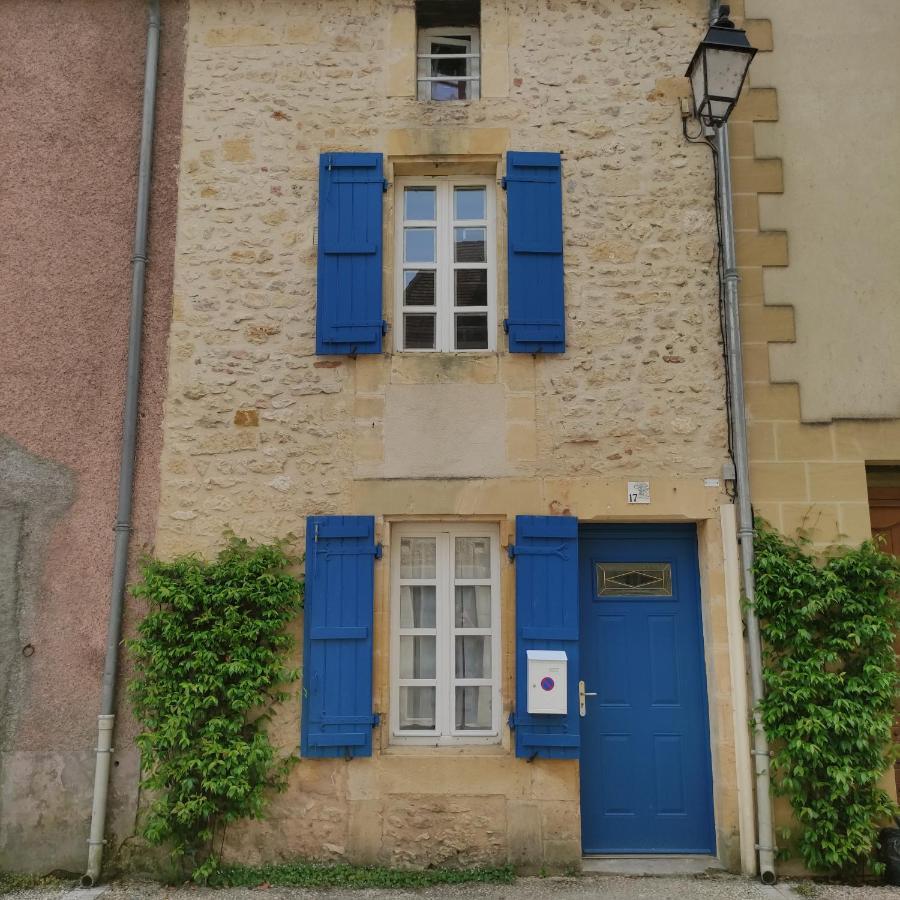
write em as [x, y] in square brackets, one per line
[638, 491]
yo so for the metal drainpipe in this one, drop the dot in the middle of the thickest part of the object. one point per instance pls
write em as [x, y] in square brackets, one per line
[107, 717]
[765, 845]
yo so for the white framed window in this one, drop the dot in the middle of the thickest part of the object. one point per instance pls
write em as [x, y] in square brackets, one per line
[445, 634]
[449, 63]
[446, 264]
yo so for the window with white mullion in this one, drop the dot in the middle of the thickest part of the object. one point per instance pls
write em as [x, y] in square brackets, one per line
[470, 269]
[418, 246]
[446, 241]
[416, 667]
[473, 615]
[459, 699]
[449, 64]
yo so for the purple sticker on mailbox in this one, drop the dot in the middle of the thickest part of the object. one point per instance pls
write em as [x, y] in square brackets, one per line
[548, 683]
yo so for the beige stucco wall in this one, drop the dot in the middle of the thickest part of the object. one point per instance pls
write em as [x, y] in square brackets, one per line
[71, 82]
[811, 476]
[835, 67]
[260, 432]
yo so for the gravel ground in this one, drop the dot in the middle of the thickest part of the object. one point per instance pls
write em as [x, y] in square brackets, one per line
[717, 887]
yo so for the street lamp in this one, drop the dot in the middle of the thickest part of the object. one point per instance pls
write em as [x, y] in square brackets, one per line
[718, 70]
[717, 74]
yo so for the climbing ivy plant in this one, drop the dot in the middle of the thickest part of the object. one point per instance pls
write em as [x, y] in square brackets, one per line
[211, 665]
[828, 629]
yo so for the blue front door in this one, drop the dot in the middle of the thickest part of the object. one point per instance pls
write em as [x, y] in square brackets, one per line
[646, 782]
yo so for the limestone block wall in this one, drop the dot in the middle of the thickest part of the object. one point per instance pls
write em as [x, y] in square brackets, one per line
[260, 432]
[258, 427]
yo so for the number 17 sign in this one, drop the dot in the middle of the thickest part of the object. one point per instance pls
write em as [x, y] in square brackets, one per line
[638, 491]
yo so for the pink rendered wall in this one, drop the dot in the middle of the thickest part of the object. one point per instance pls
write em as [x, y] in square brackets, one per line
[71, 83]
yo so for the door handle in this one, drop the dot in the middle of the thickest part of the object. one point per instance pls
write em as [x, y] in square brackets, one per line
[582, 693]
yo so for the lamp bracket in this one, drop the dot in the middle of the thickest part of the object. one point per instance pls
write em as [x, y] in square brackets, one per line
[723, 19]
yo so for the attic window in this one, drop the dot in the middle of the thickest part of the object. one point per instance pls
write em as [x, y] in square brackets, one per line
[448, 60]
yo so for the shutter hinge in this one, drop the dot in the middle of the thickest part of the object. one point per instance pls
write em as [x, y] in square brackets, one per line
[384, 327]
[503, 182]
[511, 720]
[506, 326]
[376, 719]
[379, 551]
[513, 550]
[384, 185]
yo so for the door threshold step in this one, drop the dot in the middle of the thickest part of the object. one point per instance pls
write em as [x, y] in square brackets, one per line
[649, 865]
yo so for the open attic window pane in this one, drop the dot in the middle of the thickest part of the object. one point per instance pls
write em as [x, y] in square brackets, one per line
[448, 57]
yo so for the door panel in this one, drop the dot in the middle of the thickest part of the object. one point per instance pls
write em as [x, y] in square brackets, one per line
[646, 784]
[884, 511]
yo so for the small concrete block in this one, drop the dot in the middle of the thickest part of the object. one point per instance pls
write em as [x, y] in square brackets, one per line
[816, 521]
[561, 820]
[804, 442]
[778, 481]
[659, 866]
[838, 481]
[85, 893]
[856, 522]
[773, 401]
[762, 248]
[523, 833]
[562, 854]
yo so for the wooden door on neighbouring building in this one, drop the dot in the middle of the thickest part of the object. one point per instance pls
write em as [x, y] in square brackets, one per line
[884, 509]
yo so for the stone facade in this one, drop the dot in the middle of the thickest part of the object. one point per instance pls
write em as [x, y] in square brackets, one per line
[260, 432]
[271, 85]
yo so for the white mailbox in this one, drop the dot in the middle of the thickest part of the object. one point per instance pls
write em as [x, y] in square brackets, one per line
[547, 681]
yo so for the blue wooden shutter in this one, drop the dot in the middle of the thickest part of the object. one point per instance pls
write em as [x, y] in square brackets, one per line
[536, 322]
[348, 311]
[337, 717]
[546, 558]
